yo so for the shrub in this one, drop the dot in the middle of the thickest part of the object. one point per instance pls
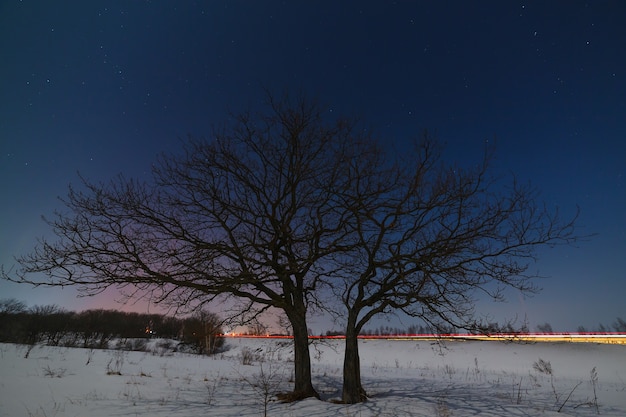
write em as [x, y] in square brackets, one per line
[249, 356]
[137, 345]
[202, 332]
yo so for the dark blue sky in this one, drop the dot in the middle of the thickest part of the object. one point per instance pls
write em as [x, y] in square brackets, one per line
[102, 87]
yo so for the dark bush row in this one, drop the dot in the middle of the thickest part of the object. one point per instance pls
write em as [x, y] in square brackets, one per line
[52, 325]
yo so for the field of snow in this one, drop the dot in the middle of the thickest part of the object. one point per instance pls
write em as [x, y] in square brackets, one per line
[402, 378]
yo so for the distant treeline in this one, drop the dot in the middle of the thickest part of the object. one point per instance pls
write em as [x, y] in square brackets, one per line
[619, 326]
[393, 331]
[94, 329]
[439, 330]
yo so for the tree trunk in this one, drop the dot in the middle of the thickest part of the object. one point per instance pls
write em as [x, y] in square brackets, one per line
[353, 391]
[303, 387]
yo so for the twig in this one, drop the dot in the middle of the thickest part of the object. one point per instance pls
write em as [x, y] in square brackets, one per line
[570, 394]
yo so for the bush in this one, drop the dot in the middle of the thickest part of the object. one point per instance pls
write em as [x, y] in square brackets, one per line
[164, 347]
[137, 345]
[249, 356]
[202, 333]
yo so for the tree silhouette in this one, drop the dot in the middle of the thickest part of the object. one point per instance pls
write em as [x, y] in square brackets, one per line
[428, 237]
[251, 214]
[202, 332]
[545, 328]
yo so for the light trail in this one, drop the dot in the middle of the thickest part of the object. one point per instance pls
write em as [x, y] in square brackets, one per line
[603, 338]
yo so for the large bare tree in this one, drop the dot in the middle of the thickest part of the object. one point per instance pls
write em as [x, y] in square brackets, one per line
[428, 237]
[251, 214]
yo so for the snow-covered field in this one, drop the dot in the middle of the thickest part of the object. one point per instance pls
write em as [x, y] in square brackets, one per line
[403, 378]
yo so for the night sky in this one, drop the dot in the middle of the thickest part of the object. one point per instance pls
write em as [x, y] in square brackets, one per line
[103, 87]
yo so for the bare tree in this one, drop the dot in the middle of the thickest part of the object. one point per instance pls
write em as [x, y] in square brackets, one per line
[619, 325]
[202, 331]
[11, 306]
[13, 320]
[251, 214]
[545, 328]
[429, 237]
[256, 328]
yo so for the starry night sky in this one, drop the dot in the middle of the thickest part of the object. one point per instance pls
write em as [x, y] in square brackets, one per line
[103, 87]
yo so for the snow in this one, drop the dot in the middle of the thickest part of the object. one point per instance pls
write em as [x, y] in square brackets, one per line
[402, 378]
